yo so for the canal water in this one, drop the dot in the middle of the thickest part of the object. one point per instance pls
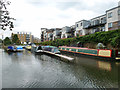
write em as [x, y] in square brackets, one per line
[27, 70]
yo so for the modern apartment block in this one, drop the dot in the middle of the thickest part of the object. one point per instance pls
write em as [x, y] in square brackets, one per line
[96, 24]
[66, 32]
[49, 34]
[80, 27]
[73, 29]
[24, 37]
[113, 18]
[108, 21]
[57, 33]
[43, 34]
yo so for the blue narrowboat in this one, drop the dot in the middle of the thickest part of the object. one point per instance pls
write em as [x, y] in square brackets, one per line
[14, 48]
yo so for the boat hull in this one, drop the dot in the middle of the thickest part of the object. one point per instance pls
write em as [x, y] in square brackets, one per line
[95, 53]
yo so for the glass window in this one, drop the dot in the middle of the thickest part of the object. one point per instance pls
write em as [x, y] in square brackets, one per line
[119, 12]
[77, 25]
[81, 24]
[109, 25]
[118, 23]
[110, 15]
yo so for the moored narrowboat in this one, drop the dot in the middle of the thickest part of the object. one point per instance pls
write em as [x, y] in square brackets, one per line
[19, 48]
[28, 47]
[14, 48]
[97, 53]
[52, 49]
[36, 49]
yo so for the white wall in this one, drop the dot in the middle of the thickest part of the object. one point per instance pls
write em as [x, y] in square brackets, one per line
[114, 17]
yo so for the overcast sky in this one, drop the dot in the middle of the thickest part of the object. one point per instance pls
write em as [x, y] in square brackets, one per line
[31, 15]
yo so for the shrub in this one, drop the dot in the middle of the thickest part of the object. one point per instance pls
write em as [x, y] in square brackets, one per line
[112, 37]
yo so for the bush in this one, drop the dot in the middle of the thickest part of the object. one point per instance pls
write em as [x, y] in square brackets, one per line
[109, 37]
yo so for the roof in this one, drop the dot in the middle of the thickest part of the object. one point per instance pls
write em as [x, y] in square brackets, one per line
[98, 17]
[112, 8]
[82, 20]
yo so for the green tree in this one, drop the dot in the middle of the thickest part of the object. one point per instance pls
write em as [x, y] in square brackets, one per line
[7, 41]
[15, 39]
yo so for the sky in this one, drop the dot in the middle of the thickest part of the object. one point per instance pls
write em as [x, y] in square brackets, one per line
[32, 15]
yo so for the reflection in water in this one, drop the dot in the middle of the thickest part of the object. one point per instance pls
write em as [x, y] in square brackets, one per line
[104, 65]
[26, 70]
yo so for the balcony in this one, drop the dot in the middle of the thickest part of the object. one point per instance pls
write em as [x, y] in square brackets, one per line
[68, 31]
[58, 33]
[103, 22]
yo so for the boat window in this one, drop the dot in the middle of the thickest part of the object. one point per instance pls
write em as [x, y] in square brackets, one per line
[39, 48]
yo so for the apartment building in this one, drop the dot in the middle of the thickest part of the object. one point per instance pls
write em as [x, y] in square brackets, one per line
[80, 27]
[43, 34]
[49, 34]
[96, 24]
[113, 18]
[73, 29]
[66, 32]
[25, 37]
[57, 33]
[108, 21]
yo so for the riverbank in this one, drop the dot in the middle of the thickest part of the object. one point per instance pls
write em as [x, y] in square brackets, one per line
[111, 39]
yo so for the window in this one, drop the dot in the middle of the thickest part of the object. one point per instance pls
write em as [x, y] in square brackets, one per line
[109, 25]
[77, 25]
[81, 24]
[118, 23]
[119, 12]
[110, 15]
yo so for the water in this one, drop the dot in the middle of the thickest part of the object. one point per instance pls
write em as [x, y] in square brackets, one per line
[27, 70]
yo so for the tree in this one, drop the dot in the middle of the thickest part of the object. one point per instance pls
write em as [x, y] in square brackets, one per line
[15, 39]
[7, 41]
[5, 19]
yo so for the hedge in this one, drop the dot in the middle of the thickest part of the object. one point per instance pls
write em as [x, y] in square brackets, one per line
[108, 37]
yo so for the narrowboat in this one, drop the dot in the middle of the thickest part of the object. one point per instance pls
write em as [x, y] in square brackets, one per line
[51, 49]
[19, 48]
[28, 47]
[14, 48]
[96, 53]
[43, 49]
[36, 49]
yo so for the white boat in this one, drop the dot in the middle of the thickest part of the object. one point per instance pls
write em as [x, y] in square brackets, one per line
[42, 49]
[52, 50]
[36, 49]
